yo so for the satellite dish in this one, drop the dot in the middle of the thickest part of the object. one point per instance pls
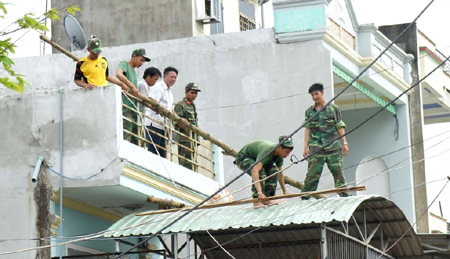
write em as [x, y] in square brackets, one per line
[75, 33]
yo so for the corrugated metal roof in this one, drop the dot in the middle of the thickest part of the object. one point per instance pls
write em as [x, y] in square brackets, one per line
[294, 214]
[295, 211]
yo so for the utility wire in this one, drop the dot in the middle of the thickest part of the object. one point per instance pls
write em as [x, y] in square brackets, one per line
[409, 229]
[282, 142]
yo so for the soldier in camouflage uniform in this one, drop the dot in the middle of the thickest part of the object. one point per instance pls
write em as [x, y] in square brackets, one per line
[320, 136]
[186, 110]
[269, 165]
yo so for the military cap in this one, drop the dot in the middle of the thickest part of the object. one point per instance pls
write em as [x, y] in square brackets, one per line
[192, 86]
[288, 141]
[95, 45]
[140, 52]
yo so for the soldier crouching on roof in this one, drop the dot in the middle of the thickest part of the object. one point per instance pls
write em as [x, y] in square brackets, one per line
[268, 166]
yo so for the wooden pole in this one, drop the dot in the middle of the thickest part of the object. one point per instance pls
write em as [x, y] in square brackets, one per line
[165, 202]
[336, 190]
[56, 46]
[149, 102]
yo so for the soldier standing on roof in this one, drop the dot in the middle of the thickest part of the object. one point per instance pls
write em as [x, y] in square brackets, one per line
[269, 165]
[323, 129]
[186, 110]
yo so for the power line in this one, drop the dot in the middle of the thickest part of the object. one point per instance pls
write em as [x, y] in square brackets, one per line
[404, 234]
[299, 94]
[280, 143]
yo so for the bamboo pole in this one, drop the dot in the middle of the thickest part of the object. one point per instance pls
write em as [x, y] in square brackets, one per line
[56, 46]
[233, 203]
[149, 102]
[165, 202]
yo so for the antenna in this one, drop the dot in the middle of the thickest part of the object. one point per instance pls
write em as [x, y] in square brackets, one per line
[75, 33]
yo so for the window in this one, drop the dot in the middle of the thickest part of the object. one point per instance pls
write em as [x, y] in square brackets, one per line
[246, 23]
[246, 16]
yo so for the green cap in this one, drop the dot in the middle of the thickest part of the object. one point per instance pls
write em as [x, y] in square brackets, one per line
[287, 143]
[192, 86]
[140, 52]
[95, 45]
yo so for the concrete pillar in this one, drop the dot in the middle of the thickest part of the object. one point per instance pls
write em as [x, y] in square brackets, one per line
[411, 46]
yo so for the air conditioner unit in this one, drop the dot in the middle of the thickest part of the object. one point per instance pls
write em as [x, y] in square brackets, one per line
[209, 11]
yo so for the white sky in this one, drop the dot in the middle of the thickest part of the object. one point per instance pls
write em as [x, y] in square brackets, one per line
[380, 12]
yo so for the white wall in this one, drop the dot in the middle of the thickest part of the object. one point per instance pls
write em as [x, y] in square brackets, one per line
[376, 138]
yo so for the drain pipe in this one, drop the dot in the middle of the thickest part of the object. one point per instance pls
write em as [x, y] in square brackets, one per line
[37, 169]
[61, 139]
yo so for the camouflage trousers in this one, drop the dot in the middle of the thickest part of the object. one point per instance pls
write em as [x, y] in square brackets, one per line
[129, 126]
[269, 186]
[186, 153]
[315, 167]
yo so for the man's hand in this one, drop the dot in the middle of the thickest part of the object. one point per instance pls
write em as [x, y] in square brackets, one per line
[345, 150]
[135, 91]
[306, 153]
[124, 87]
[261, 197]
[286, 193]
[89, 86]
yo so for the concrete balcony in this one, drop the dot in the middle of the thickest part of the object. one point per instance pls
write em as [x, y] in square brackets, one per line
[435, 88]
[100, 169]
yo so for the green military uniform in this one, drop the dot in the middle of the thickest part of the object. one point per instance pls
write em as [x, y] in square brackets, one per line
[129, 115]
[187, 110]
[324, 129]
[254, 151]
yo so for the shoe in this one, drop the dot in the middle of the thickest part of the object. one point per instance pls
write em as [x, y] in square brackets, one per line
[258, 205]
[345, 194]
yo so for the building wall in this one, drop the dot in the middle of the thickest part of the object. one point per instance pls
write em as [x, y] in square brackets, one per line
[376, 138]
[118, 22]
[240, 68]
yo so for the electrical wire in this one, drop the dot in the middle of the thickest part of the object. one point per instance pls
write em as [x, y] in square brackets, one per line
[293, 133]
[423, 213]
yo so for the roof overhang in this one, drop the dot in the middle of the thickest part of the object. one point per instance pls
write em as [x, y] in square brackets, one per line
[295, 220]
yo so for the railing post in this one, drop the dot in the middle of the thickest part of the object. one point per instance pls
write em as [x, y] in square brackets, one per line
[323, 241]
[175, 245]
[218, 164]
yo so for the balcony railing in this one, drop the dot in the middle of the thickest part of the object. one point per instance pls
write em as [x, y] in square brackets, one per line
[202, 152]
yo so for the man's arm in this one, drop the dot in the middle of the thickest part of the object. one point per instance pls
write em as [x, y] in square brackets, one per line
[124, 79]
[345, 148]
[306, 151]
[83, 84]
[114, 80]
[255, 179]
[79, 75]
[281, 181]
[178, 110]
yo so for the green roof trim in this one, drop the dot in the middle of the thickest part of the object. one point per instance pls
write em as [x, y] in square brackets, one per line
[391, 108]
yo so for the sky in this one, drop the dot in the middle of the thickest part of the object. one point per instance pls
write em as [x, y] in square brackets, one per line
[380, 12]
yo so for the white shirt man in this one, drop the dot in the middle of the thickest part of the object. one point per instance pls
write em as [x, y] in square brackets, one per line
[161, 92]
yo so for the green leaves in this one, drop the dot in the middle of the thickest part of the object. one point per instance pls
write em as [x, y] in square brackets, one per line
[73, 9]
[28, 21]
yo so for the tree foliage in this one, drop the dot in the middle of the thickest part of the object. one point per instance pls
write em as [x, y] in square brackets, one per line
[28, 21]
